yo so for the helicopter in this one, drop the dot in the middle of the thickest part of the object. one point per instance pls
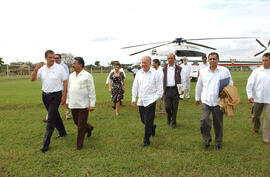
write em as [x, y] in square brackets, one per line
[187, 48]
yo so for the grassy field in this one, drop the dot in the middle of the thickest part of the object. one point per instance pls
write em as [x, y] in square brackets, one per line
[114, 148]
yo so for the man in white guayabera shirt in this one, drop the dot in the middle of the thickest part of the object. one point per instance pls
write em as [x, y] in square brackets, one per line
[186, 68]
[54, 82]
[258, 91]
[148, 86]
[81, 99]
[203, 65]
[208, 89]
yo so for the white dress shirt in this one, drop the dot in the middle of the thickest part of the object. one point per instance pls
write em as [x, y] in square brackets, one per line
[120, 70]
[160, 73]
[258, 85]
[81, 91]
[208, 85]
[148, 87]
[171, 77]
[52, 78]
[202, 66]
[186, 69]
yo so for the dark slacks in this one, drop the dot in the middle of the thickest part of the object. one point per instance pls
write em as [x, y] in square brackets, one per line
[52, 102]
[206, 123]
[147, 115]
[80, 117]
[171, 98]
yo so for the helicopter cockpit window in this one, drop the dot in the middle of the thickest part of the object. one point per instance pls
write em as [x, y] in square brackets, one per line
[188, 53]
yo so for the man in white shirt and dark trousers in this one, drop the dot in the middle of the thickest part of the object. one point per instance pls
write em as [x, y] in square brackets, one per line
[156, 65]
[148, 86]
[258, 91]
[54, 90]
[186, 68]
[173, 77]
[208, 90]
[81, 99]
[203, 65]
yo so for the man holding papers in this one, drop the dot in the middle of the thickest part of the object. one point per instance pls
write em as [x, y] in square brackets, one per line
[208, 89]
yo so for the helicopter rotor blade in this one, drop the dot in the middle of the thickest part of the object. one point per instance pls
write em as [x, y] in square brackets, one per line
[144, 44]
[269, 43]
[261, 43]
[259, 52]
[150, 48]
[221, 38]
[200, 45]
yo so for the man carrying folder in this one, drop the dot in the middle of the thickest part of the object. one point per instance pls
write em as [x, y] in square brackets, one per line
[209, 88]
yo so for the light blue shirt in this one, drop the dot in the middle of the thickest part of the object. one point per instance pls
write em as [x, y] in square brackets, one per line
[66, 68]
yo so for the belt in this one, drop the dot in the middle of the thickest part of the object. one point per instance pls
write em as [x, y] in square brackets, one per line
[51, 93]
[171, 87]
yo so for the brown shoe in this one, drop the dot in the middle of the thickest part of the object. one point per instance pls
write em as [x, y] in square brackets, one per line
[68, 118]
[45, 120]
[255, 131]
[89, 132]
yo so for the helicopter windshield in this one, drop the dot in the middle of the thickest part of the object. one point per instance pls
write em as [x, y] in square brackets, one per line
[188, 53]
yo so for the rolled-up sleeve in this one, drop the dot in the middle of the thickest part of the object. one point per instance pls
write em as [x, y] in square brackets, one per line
[250, 84]
[135, 87]
[198, 90]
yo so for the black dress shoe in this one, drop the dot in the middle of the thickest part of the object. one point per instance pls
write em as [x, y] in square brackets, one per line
[218, 146]
[173, 125]
[59, 136]
[154, 130]
[145, 144]
[79, 147]
[168, 121]
[44, 149]
[89, 133]
[45, 120]
[206, 144]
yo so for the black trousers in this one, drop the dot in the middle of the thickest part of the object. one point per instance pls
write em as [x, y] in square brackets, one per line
[80, 117]
[171, 99]
[147, 115]
[52, 102]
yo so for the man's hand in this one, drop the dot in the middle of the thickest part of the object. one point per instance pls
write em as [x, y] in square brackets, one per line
[39, 65]
[197, 103]
[110, 90]
[67, 106]
[182, 92]
[222, 94]
[251, 100]
[133, 104]
[63, 100]
[91, 108]
[106, 85]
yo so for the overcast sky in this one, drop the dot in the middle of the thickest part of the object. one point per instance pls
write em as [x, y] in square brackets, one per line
[97, 29]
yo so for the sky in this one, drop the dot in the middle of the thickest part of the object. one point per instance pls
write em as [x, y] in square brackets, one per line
[97, 29]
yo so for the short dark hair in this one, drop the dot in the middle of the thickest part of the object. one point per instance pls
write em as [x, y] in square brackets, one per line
[117, 63]
[266, 54]
[48, 52]
[214, 53]
[59, 55]
[204, 56]
[156, 61]
[80, 61]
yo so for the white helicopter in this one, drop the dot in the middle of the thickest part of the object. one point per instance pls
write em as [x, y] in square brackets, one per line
[183, 47]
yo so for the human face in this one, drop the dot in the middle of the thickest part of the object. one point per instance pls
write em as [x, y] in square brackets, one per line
[146, 64]
[57, 59]
[204, 60]
[185, 60]
[213, 61]
[50, 59]
[155, 65]
[171, 59]
[77, 68]
[116, 67]
[266, 62]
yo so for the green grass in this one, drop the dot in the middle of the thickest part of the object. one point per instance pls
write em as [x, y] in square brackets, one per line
[114, 149]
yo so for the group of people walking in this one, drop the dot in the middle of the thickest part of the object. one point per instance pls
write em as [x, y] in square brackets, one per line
[151, 84]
